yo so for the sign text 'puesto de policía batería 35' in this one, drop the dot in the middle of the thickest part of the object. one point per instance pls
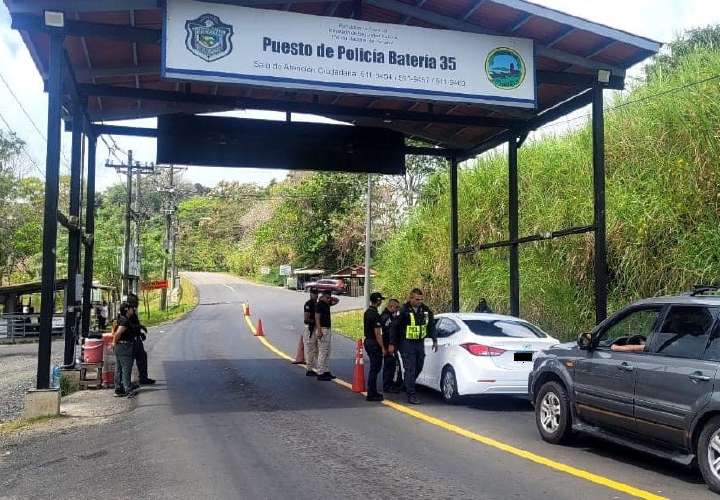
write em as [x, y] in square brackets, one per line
[225, 43]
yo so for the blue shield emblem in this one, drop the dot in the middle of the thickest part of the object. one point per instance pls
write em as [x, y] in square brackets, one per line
[208, 37]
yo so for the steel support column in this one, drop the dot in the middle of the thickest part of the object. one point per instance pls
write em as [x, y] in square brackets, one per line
[74, 236]
[90, 231]
[513, 226]
[454, 258]
[52, 177]
[600, 260]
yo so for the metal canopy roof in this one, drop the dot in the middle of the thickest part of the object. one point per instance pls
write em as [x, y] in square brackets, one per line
[113, 47]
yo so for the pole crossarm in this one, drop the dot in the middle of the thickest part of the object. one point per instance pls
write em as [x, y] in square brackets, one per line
[526, 239]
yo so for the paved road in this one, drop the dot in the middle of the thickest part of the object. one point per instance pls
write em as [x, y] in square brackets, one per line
[230, 419]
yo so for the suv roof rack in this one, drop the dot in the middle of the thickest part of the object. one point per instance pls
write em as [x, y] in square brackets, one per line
[701, 289]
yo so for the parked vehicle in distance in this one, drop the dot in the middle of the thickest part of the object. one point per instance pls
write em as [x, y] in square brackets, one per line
[481, 353]
[327, 284]
[646, 378]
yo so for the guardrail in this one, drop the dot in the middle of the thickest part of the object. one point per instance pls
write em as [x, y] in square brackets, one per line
[13, 326]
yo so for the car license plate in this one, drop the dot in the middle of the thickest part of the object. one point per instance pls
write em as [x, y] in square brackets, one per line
[523, 356]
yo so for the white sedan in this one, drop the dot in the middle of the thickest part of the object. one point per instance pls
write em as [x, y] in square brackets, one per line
[481, 353]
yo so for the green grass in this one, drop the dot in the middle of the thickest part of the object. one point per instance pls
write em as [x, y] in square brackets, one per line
[663, 210]
[349, 324]
[22, 423]
[156, 316]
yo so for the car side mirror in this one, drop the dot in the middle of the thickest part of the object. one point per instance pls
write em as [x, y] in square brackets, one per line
[584, 341]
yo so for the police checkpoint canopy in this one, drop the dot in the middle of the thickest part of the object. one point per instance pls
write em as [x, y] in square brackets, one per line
[226, 43]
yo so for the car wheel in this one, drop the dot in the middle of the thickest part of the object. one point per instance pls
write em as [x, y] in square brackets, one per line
[552, 413]
[708, 453]
[448, 386]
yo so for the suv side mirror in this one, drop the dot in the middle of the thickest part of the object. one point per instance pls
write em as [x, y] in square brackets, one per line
[584, 341]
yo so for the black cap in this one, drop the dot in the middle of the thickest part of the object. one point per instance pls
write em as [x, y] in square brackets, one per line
[375, 296]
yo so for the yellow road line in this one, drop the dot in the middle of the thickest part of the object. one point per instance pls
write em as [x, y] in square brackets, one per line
[494, 443]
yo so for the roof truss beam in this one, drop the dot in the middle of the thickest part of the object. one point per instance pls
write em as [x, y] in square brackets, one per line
[460, 25]
[552, 114]
[295, 107]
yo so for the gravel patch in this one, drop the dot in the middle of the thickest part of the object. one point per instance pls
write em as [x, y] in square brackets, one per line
[18, 366]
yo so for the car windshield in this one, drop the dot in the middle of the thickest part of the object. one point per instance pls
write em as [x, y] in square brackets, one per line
[504, 328]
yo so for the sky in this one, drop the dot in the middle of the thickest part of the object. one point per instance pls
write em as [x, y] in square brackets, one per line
[661, 20]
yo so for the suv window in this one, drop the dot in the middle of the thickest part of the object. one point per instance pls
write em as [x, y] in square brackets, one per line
[636, 322]
[684, 333]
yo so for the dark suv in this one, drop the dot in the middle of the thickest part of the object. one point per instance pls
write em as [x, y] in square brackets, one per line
[647, 378]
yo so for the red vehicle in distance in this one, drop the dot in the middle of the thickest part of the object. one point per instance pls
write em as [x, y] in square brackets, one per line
[327, 284]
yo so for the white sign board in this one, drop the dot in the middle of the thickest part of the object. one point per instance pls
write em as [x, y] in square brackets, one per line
[225, 43]
[264, 270]
[285, 270]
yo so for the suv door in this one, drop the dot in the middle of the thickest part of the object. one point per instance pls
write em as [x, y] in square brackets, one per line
[605, 379]
[673, 381]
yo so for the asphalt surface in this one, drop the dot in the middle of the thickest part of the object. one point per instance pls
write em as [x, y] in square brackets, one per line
[229, 419]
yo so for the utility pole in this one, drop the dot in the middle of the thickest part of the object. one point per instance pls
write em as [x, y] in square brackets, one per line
[169, 248]
[128, 218]
[368, 240]
[130, 282]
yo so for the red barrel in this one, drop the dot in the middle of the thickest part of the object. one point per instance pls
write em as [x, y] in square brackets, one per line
[108, 370]
[93, 351]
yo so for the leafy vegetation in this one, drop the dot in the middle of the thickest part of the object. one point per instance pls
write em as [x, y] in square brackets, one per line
[663, 208]
[349, 324]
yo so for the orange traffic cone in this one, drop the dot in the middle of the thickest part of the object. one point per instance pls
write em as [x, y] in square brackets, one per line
[358, 382]
[259, 330]
[247, 309]
[300, 353]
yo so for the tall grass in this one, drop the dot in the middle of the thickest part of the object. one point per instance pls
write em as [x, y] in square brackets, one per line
[663, 210]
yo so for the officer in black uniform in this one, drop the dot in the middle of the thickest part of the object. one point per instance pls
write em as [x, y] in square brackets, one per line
[374, 345]
[413, 324]
[139, 353]
[391, 364]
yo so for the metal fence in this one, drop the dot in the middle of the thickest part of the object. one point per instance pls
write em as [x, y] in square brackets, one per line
[13, 326]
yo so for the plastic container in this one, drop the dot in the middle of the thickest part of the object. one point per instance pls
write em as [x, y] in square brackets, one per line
[109, 360]
[93, 350]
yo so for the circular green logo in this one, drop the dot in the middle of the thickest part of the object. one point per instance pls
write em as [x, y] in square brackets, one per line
[505, 68]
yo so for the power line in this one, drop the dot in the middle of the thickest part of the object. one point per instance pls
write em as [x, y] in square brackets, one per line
[24, 146]
[27, 115]
[636, 101]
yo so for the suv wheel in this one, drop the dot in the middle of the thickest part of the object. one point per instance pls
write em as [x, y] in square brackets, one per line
[708, 453]
[448, 386]
[552, 413]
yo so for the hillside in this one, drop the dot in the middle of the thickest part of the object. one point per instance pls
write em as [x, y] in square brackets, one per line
[663, 208]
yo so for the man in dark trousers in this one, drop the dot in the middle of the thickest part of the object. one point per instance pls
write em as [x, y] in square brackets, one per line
[413, 324]
[310, 343]
[139, 353]
[374, 345]
[323, 332]
[391, 365]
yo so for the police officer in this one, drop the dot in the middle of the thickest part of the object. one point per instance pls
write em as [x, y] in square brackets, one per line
[123, 342]
[374, 345]
[139, 353]
[310, 342]
[413, 324]
[323, 332]
[391, 382]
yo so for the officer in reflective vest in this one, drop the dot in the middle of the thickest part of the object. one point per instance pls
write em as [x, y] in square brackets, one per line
[413, 324]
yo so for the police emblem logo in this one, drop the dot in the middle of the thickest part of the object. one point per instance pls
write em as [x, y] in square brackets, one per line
[208, 37]
[505, 68]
